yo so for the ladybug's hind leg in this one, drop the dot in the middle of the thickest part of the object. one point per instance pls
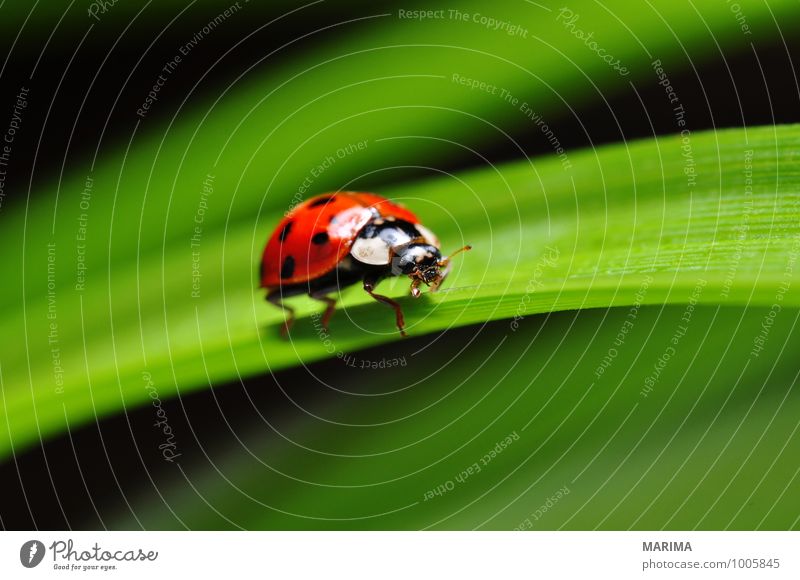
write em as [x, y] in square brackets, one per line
[276, 297]
[369, 285]
[329, 308]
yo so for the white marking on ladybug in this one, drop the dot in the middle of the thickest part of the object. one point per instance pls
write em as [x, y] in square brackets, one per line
[374, 251]
[429, 236]
[418, 253]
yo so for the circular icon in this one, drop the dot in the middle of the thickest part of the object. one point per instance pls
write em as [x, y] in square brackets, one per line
[31, 553]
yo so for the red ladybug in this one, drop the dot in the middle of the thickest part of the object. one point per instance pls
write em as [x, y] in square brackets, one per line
[337, 239]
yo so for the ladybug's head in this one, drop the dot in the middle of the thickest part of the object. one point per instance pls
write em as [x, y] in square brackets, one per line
[420, 262]
[424, 264]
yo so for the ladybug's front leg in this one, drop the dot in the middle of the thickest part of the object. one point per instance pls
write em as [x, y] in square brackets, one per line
[369, 285]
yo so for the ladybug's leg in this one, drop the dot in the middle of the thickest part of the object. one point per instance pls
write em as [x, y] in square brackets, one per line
[276, 297]
[444, 272]
[329, 309]
[369, 286]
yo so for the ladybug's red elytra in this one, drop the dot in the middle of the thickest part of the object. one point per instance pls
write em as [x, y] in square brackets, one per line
[334, 240]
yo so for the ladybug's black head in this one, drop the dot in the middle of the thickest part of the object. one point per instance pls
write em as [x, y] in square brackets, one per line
[421, 262]
[424, 264]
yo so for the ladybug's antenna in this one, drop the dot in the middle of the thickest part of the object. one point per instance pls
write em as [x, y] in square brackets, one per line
[445, 261]
[444, 264]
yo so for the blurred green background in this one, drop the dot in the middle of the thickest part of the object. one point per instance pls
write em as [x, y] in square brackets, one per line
[619, 377]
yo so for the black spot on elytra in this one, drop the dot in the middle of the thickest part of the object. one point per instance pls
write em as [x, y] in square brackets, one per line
[320, 238]
[285, 231]
[321, 201]
[288, 267]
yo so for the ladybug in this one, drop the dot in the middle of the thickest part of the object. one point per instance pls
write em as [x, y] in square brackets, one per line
[337, 239]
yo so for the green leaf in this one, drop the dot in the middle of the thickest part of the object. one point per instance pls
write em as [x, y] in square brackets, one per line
[619, 220]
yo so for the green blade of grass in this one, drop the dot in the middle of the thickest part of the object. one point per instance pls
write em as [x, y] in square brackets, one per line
[546, 238]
